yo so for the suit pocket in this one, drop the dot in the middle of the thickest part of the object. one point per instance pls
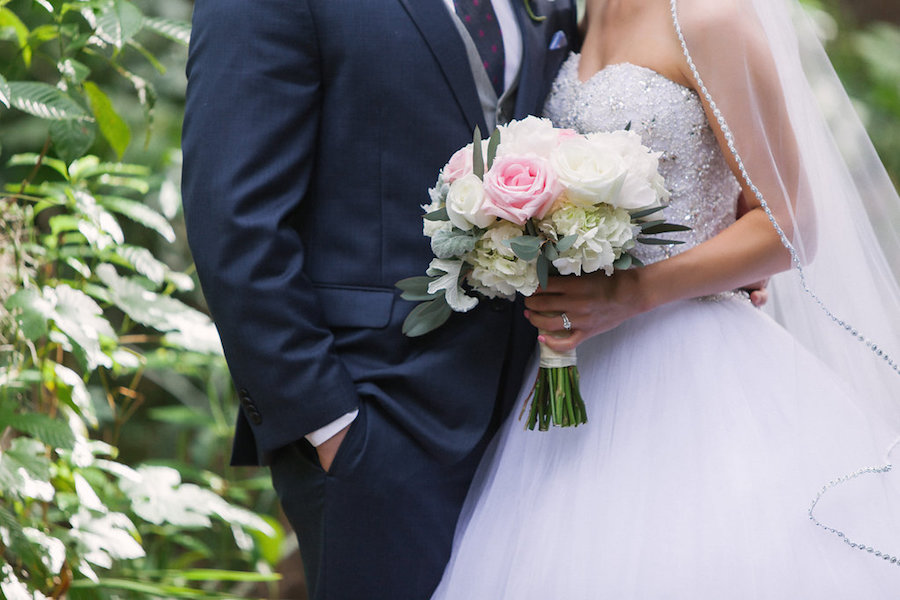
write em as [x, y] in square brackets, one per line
[351, 306]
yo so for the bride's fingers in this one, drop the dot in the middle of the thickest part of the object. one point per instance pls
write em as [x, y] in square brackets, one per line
[562, 344]
[552, 321]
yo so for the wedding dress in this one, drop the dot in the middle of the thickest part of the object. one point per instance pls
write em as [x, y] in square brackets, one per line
[711, 429]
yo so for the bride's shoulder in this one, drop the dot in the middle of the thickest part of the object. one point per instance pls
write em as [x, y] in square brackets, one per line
[717, 18]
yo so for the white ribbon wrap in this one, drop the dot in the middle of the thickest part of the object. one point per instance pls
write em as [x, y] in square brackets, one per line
[550, 359]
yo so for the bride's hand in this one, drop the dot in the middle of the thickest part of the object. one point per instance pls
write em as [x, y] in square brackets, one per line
[593, 303]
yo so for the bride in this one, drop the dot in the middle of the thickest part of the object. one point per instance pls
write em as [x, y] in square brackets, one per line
[728, 453]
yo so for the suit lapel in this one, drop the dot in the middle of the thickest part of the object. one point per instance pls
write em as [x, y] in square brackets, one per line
[434, 23]
[534, 53]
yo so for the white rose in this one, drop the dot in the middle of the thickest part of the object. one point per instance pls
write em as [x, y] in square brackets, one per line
[591, 173]
[643, 185]
[497, 272]
[530, 135]
[464, 203]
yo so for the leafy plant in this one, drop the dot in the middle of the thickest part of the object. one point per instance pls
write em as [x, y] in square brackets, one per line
[86, 304]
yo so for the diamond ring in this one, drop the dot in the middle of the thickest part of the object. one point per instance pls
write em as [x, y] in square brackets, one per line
[567, 324]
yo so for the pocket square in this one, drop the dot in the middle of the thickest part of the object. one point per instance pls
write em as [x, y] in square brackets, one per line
[559, 40]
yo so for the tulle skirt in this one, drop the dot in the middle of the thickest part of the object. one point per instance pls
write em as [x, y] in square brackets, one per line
[710, 433]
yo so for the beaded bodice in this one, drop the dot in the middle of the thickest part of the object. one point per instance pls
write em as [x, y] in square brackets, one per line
[670, 119]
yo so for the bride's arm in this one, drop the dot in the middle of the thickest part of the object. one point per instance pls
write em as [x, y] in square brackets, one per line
[747, 251]
[745, 84]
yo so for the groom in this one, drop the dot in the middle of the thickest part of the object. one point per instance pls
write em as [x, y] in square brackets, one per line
[313, 130]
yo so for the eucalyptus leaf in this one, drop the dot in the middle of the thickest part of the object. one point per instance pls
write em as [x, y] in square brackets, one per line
[438, 215]
[543, 271]
[477, 155]
[623, 262]
[525, 247]
[566, 243]
[492, 147]
[415, 289]
[550, 252]
[426, 317]
[645, 212]
[664, 228]
[657, 241]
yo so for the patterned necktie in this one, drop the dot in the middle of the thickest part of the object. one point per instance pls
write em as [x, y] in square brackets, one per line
[481, 22]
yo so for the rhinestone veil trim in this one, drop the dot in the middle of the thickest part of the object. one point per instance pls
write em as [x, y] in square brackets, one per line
[795, 259]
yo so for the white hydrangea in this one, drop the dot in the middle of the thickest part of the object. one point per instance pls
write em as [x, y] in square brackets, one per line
[603, 233]
[497, 272]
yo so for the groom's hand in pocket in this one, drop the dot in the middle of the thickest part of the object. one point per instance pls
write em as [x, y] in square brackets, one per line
[328, 449]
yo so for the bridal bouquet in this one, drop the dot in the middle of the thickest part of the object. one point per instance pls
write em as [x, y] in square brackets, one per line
[532, 199]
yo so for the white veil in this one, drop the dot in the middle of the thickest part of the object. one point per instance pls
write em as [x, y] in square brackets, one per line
[806, 158]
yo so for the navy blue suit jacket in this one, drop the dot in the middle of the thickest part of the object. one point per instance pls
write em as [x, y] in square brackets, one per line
[313, 130]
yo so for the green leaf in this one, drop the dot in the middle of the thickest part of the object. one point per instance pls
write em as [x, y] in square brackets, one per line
[30, 159]
[72, 138]
[526, 247]
[118, 22]
[4, 92]
[437, 215]
[623, 262]
[635, 261]
[222, 575]
[492, 147]
[477, 156]
[8, 19]
[646, 212]
[143, 261]
[566, 243]
[34, 313]
[187, 328]
[52, 432]
[657, 241]
[415, 289]
[44, 101]
[543, 271]
[550, 252]
[663, 228]
[74, 71]
[81, 320]
[426, 317]
[452, 244]
[139, 213]
[112, 126]
[179, 31]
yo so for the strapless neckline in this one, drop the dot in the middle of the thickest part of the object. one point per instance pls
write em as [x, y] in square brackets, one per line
[607, 69]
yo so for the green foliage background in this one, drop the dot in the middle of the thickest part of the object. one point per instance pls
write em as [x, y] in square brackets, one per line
[115, 403]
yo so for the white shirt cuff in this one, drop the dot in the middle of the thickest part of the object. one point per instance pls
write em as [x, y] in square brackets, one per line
[323, 434]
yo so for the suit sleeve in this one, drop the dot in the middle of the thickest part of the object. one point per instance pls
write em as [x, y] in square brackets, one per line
[249, 141]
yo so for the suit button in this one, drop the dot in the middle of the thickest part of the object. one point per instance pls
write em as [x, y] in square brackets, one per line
[254, 416]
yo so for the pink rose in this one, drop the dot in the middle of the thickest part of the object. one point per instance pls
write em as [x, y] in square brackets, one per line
[518, 188]
[459, 166]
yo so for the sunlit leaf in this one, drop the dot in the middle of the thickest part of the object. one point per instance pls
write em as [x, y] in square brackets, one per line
[139, 213]
[112, 126]
[4, 92]
[179, 31]
[44, 101]
[118, 21]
